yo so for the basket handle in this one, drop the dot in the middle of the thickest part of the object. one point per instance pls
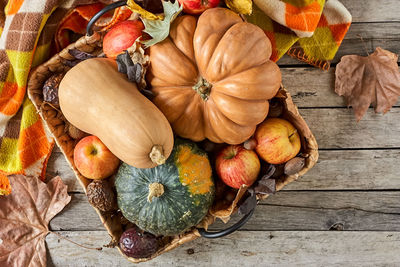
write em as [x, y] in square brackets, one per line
[229, 230]
[89, 27]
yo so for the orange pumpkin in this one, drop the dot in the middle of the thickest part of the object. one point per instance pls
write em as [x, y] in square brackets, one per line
[212, 77]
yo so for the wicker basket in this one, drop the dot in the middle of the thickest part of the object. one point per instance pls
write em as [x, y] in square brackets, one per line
[55, 122]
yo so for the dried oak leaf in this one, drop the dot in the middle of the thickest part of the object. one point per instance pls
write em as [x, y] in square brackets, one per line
[369, 80]
[79, 57]
[24, 219]
[134, 63]
[265, 185]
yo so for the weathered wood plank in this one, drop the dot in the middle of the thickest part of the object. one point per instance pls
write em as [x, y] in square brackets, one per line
[356, 211]
[311, 87]
[370, 11]
[385, 35]
[336, 170]
[352, 170]
[337, 128]
[243, 249]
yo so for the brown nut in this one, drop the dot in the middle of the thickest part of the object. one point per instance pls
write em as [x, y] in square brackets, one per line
[294, 165]
[250, 144]
[275, 108]
[74, 132]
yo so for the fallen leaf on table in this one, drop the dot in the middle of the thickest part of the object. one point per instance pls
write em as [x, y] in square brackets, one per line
[369, 80]
[159, 29]
[24, 219]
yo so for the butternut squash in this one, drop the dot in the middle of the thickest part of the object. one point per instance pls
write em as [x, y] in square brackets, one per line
[99, 100]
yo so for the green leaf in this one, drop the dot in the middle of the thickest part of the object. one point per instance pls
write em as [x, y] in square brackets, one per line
[159, 29]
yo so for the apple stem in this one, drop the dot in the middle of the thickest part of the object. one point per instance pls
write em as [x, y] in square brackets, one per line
[93, 152]
[295, 131]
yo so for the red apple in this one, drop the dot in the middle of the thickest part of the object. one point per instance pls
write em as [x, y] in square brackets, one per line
[195, 7]
[93, 159]
[277, 141]
[121, 36]
[237, 166]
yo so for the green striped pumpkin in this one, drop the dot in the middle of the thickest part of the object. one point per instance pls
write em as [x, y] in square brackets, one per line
[170, 198]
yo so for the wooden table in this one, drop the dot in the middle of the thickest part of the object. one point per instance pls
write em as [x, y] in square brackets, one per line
[346, 210]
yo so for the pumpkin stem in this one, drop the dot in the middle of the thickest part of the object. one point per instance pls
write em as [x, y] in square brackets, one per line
[157, 155]
[203, 88]
[155, 190]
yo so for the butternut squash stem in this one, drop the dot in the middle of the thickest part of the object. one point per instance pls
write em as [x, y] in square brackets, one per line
[155, 190]
[157, 155]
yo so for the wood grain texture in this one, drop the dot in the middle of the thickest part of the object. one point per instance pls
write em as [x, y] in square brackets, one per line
[352, 170]
[385, 35]
[249, 248]
[338, 129]
[358, 211]
[371, 11]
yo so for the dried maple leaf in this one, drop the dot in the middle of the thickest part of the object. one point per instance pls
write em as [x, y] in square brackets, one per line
[369, 80]
[24, 219]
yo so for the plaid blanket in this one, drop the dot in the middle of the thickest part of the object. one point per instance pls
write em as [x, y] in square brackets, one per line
[27, 28]
[309, 30]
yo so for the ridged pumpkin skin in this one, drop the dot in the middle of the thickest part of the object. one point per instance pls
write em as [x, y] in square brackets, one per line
[188, 191]
[99, 100]
[212, 77]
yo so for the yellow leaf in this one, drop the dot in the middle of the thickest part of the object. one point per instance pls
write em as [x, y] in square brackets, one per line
[240, 6]
[144, 13]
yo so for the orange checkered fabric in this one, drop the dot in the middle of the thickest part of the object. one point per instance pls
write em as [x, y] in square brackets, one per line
[27, 28]
[301, 16]
[309, 30]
